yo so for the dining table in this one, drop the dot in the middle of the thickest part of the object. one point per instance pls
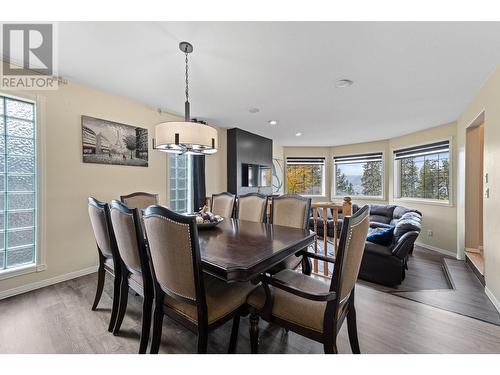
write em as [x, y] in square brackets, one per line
[239, 250]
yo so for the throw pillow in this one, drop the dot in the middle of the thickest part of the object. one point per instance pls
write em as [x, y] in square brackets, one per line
[382, 236]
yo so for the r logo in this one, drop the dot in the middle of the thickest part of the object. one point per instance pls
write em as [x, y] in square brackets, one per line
[27, 48]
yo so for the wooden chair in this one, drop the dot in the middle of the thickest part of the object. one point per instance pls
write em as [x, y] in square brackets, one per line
[182, 291]
[135, 270]
[251, 207]
[311, 306]
[291, 210]
[223, 204]
[109, 259]
[139, 200]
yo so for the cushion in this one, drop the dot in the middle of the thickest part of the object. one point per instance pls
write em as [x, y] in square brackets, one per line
[381, 236]
[382, 210]
[294, 309]
[379, 225]
[377, 249]
[406, 225]
[412, 215]
[399, 211]
[222, 299]
[380, 219]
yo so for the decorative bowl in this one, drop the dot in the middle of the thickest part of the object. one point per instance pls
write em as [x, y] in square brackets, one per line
[209, 225]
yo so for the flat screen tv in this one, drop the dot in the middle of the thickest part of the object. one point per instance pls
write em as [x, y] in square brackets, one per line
[254, 175]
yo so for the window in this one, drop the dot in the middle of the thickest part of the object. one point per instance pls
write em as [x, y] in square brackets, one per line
[423, 172]
[17, 183]
[359, 175]
[305, 176]
[180, 182]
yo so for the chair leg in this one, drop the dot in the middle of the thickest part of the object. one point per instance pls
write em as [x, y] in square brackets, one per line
[353, 330]
[330, 348]
[254, 332]
[157, 328]
[116, 302]
[306, 266]
[101, 274]
[202, 341]
[146, 323]
[234, 334]
[122, 307]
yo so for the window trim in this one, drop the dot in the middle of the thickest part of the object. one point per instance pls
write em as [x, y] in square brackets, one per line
[397, 177]
[40, 263]
[323, 176]
[360, 197]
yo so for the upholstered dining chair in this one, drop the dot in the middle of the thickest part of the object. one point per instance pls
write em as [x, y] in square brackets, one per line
[182, 291]
[109, 259]
[311, 306]
[139, 200]
[223, 204]
[251, 207]
[135, 270]
[291, 210]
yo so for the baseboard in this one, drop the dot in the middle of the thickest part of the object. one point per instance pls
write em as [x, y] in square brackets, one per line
[46, 282]
[492, 298]
[472, 250]
[439, 250]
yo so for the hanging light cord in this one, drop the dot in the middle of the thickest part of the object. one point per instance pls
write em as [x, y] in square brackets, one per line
[187, 77]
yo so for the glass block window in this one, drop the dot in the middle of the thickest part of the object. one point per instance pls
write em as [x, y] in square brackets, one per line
[180, 182]
[17, 183]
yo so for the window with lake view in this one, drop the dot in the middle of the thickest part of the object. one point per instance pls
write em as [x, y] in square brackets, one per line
[359, 175]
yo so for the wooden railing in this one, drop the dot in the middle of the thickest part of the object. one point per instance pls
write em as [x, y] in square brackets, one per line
[346, 209]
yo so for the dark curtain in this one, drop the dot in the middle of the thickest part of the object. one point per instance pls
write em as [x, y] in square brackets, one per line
[199, 187]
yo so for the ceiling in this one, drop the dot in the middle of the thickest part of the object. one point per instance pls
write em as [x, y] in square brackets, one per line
[407, 76]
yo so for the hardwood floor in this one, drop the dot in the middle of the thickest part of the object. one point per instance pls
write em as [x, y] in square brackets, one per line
[58, 319]
[467, 296]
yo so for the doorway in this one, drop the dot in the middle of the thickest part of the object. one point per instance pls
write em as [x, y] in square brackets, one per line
[474, 190]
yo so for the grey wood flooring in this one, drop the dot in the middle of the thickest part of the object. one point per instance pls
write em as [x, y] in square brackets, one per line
[467, 296]
[58, 319]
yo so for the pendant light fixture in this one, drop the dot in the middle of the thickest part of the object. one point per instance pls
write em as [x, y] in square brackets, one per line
[187, 137]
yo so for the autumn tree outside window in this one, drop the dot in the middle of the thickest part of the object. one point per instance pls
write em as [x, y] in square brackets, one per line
[305, 175]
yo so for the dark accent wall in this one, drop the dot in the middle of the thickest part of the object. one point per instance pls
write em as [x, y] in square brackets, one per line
[245, 147]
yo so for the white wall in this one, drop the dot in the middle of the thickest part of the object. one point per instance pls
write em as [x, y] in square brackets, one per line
[487, 101]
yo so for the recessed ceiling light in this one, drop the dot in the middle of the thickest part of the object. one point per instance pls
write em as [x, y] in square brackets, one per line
[254, 110]
[272, 122]
[342, 83]
[298, 134]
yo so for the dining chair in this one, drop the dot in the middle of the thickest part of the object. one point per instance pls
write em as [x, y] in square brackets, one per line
[108, 254]
[135, 271]
[291, 210]
[312, 306]
[139, 200]
[223, 204]
[182, 291]
[251, 207]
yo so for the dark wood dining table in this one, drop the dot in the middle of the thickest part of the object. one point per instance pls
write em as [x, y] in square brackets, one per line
[239, 250]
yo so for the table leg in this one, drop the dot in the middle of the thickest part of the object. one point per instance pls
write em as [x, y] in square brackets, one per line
[315, 220]
[325, 239]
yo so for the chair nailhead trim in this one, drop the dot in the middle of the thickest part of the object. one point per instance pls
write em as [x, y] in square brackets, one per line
[190, 248]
